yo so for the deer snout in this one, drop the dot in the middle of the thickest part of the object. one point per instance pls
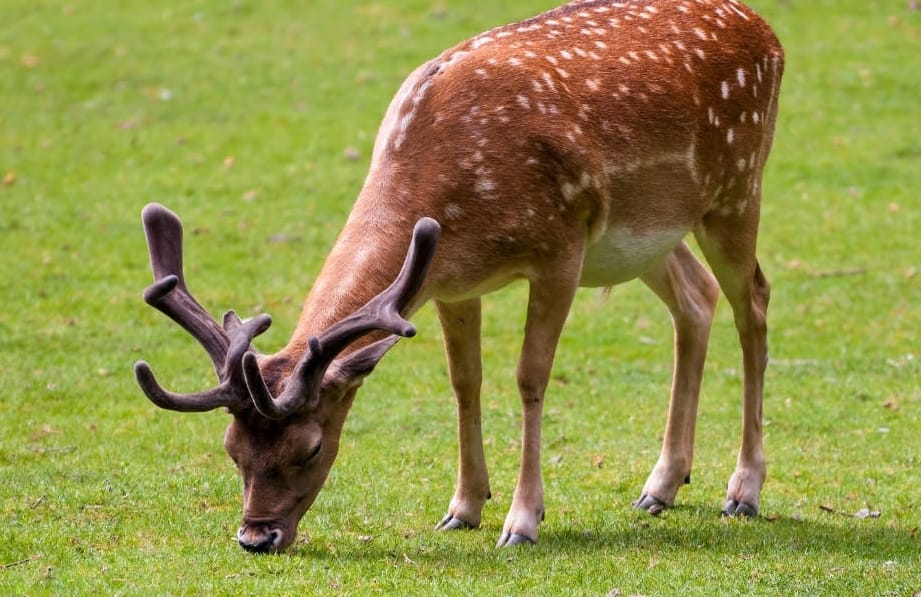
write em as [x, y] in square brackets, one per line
[262, 538]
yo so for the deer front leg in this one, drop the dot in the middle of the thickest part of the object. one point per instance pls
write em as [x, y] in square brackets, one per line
[548, 305]
[690, 292]
[461, 325]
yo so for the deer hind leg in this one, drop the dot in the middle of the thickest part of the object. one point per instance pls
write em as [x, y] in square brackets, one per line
[548, 305]
[461, 324]
[728, 242]
[690, 292]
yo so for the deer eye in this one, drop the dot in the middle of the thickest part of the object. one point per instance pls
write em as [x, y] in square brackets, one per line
[309, 456]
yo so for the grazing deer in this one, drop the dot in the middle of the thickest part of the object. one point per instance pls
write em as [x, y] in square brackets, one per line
[575, 148]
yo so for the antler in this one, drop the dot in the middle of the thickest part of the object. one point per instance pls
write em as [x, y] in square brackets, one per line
[380, 313]
[225, 344]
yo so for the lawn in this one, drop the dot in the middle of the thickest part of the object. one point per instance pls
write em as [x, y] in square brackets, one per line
[255, 122]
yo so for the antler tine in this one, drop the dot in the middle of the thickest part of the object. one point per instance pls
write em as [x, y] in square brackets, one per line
[222, 395]
[231, 393]
[383, 312]
[169, 293]
[303, 386]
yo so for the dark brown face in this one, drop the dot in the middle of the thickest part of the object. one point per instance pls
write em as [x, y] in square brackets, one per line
[283, 465]
[289, 407]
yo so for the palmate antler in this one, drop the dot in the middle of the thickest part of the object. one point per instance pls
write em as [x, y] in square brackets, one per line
[225, 344]
[383, 312]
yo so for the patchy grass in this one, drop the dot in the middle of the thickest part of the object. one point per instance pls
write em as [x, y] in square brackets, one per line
[242, 117]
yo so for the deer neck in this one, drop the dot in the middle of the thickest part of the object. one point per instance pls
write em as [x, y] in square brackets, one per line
[365, 259]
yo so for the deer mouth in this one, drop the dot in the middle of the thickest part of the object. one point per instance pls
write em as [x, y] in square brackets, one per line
[264, 537]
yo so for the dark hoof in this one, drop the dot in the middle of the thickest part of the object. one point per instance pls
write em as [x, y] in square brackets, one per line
[452, 523]
[739, 509]
[512, 539]
[651, 504]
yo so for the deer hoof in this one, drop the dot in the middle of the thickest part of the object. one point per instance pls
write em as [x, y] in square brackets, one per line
[740, 509]
[651, 504]
[512, 539]
[452, 523]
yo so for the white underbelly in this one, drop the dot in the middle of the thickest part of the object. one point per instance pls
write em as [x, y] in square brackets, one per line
[622, 254]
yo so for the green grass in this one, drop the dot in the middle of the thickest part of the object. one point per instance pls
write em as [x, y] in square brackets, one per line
[238, 115]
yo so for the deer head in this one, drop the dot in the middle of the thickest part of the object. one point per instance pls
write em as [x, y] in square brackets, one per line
[287, 413]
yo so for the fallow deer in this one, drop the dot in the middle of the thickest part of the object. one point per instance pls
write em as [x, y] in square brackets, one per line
[575, 148]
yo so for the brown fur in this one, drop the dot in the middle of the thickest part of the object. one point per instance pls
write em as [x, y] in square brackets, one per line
[575, 148]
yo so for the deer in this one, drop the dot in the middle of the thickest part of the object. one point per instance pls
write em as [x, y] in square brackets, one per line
[577, 148]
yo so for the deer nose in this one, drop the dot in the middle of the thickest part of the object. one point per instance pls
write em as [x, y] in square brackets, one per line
[259, 538]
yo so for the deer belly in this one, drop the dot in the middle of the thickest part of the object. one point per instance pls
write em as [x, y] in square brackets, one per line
[622, 254]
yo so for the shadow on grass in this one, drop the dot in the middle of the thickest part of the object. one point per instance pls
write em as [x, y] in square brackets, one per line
[682, 530]
[734, 538]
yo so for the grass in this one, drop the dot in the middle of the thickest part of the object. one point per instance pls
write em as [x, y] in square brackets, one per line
[240, 116]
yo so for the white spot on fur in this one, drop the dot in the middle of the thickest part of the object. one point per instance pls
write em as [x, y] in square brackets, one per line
[569, 191]
[481, 41]
[739, 12]
[484, 185]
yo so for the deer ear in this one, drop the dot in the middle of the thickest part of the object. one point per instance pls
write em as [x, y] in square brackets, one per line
[349, 371]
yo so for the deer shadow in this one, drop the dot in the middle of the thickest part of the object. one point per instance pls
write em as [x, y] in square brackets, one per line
[725, 538]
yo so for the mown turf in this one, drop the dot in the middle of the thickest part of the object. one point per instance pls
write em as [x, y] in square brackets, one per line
[247, 118]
